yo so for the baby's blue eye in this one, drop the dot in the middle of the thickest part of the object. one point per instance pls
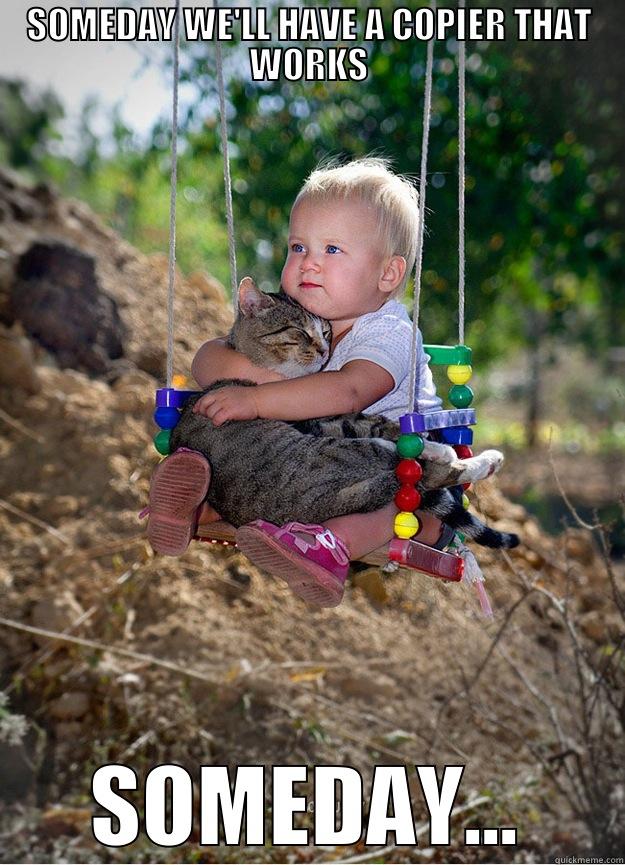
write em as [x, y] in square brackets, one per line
[297, 247]
[332, 249]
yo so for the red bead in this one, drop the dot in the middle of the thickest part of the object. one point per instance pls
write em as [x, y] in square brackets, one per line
[463, 451]
[408, 471]
[408, 498]
[465, 486]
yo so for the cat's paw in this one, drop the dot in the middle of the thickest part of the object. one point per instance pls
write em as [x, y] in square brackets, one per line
[481, 466]
[384, 443]
[438, 453]
[493, 460]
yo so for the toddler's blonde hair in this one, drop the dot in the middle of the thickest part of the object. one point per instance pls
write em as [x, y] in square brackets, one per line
[369, 180]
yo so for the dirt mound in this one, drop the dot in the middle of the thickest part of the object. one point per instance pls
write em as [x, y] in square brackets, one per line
[34, 222]
[204, 660]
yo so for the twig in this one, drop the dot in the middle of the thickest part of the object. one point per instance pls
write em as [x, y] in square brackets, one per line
[567, 501]
[420, 830]
[45, 653]
[102, 647]
[473, 681]
[8, 419]
[36, 522]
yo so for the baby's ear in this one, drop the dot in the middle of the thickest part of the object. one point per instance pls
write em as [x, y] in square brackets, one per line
[251, 298]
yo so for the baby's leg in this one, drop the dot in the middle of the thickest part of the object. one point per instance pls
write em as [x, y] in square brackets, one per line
[207, 514]
[177, 490]
[363, 533]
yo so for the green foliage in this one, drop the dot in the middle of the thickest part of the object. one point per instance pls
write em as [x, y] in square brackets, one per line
[545, 185]
[27, 123]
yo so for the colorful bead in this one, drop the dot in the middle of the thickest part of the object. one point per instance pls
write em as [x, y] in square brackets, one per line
[161, 441]
[407, 498]
[410, 445]
[406, 525]
[460, 395]
[457, 435]
[463, 452]
[466, 486]
[413, 422]
[166, 417]
[442, 355]
[466, 504]
[459, 373]
[408, 472]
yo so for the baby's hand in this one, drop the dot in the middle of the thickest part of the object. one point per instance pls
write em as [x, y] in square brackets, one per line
[228, 403]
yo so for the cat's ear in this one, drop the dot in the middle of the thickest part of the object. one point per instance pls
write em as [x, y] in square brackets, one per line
[251, 298]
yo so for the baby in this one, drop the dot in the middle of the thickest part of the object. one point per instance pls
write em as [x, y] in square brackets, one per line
[351, 248]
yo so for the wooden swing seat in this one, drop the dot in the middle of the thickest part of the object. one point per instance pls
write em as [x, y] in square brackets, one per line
[427, 560]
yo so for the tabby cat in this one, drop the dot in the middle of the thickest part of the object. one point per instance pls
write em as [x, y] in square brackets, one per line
[313, 470]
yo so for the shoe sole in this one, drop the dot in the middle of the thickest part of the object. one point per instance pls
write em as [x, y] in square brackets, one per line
[307, 580]
[179, 486]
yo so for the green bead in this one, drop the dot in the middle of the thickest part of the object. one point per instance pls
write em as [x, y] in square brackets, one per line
[161, 441]
[460, 395]
[443, 355]
[409, 445]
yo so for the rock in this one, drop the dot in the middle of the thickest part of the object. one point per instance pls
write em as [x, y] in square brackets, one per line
[61, 506]
[59, 821]
[593, 626]
[579, 545]
[18, 773]
[208, 287]
[153, 360]
[68, 731]
[58, 299]
[55, 613]
[70, 706]
[18, 367]
[363, 685]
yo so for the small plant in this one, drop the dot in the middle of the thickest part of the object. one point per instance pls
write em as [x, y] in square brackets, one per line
[13, 728]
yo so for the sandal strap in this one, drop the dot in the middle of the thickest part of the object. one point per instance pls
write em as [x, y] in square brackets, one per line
[324, 538]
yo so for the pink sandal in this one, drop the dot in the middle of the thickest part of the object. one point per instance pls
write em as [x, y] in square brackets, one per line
[177, 491]
[315, 571]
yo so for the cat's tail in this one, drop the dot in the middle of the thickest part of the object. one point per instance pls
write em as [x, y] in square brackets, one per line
[444, 506]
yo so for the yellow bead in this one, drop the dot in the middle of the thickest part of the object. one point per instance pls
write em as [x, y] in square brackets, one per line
[466, 504]
[406, 525]
[459, 373]
[179, 381]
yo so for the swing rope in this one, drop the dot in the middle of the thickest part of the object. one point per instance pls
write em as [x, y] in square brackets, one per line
[461, 180]
[427, 112]
[225, 152]
[172, 202]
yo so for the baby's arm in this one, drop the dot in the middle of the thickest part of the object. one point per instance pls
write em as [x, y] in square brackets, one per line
[354, 387]
[215, 359]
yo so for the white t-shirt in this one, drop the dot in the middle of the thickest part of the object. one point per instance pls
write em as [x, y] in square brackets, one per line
[385, 337]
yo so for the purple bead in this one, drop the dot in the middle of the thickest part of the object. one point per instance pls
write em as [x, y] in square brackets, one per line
[415, 422]
[170, 397]
[412, 423]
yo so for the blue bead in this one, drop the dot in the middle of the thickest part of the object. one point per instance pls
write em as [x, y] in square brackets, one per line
[166, 417]
[457, 435]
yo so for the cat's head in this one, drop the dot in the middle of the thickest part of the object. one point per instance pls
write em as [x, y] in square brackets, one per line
[275, 332]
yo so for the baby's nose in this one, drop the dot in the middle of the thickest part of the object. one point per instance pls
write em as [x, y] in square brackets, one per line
[310, 261]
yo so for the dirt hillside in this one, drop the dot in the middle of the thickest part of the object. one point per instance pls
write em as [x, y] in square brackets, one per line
[405, 670]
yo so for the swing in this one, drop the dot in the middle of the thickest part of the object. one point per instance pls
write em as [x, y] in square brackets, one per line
[453, 423]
